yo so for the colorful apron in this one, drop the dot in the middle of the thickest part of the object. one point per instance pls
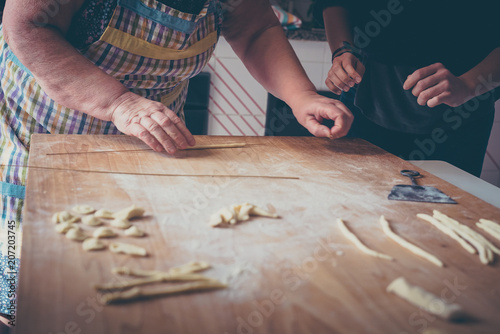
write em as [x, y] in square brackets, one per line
[151, 48]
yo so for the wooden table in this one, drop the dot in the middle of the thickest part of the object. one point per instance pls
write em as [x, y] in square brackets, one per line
[297, 274]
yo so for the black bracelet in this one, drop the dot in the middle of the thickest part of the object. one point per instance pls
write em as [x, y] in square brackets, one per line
[346, 47]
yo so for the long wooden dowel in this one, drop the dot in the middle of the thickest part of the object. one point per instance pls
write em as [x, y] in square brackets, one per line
[157, 174]
[194, 148]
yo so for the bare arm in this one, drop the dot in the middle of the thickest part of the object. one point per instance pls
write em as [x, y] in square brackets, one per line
[74, 82]
[258, 39]
[337, 27]
[347, 70]
[63, 73]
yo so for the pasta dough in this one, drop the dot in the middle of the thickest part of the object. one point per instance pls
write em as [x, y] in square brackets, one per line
[118, 247]
[425, 300]
[76, 233]
[92, 244]
[134, 231]
[349, 235]
[129, 213]
[91, 220]
[483, 246]
[489, 227]
[83, 209]
[63, 227]
[64, 217]
[448, 231]
[120, 223]
[104, 232]
[236, 213]
[138, 293]
[103, 213]
[405, 244]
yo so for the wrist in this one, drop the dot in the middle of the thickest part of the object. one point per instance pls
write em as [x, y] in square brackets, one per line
[472, 85]
[298, 99]
[123, 99]
[346, 47]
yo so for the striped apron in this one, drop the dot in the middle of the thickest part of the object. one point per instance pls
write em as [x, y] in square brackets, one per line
[151, 48]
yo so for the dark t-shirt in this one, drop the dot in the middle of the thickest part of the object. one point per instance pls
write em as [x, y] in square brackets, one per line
[399, 37]
[457, 33]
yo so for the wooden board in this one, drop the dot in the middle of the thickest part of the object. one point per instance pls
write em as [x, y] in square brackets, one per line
[293, 275]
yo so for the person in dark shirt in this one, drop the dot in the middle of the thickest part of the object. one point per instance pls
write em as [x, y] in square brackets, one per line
[417, 75]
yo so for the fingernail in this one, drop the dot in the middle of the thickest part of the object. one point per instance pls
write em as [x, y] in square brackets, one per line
[159, 148]
[358, 79]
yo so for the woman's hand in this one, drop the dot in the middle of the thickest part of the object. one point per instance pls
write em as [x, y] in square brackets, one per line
[346, 71]
[153, 123]
[312, 108]
[434, 85]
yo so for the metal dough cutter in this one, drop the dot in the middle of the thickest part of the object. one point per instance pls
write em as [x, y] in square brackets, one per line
[416, 193]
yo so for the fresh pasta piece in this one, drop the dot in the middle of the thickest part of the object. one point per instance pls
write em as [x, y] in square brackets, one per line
[91, 220]
[64, 217]
[92, 244]
[134, 231]
[138, 293]
[118, 247]
[489, 227]
[103, 213]
[76, 233]
[83, 209]
[405, 244]
[237, 213]
[120, 223]
[425, 300]
[64, 227]
[349, 235]
[104, 232]
[448, 231]
[485, 248]
[133, 211]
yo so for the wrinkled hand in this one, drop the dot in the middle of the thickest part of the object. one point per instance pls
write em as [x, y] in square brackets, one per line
[312, 108]
[346, 71]
[434, 85]
[153, 123]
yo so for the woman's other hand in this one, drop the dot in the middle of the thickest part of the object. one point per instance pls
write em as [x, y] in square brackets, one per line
[153, 123]
[346, 71]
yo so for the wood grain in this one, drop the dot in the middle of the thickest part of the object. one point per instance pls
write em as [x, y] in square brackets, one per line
[297, 274]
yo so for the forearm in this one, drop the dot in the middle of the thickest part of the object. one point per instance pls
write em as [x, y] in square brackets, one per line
[258, 39]
[64, 74]
[485, 76]
[337, 27]
[273, 63]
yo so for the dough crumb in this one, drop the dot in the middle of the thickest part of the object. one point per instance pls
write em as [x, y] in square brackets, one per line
[92, 244]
